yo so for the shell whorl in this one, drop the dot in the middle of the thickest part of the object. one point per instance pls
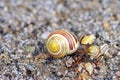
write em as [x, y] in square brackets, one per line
[94, 51]
[61, 43]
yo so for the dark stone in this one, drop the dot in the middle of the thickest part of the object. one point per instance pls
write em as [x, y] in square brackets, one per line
[47, 23]
[28, 72]
[39, 43]
[97, 35]
[26, 24]
[114, 55]
[9, 76]
[36, 52]
[34, 32]
[49, 60]
[106, 79]
[106, 41]
[33, 23]
[1, 30]
[98, 68]
[2, 20]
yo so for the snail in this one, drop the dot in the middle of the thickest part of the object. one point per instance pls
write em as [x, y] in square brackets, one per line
[60, 43]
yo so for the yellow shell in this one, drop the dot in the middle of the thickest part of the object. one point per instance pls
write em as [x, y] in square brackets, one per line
[87, 39]
[94, 51]
[60, 43]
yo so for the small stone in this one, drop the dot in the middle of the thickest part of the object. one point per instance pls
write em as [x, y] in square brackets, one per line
[25, 52]
[36, 52]
[28, 72]
[97, 68]
[106, 79]
[49, 60]
[45, 35]
[54, 24]
[59, 74]
[118, 53]
[49, 78]
[106, 25]
[30, 48]
[83, 76]
[39, 43]
[41, 56]
[71, 74]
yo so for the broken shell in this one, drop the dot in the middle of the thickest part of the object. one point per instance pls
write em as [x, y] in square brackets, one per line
[60, 43]
[94, 51]
[105, 50]
[80, 67]
[69, 62]
[89, 67]
[87, 39]
[86, 66]
[99, 60]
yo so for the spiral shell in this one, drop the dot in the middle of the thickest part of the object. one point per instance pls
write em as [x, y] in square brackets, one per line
[60, 43]
[94, 51]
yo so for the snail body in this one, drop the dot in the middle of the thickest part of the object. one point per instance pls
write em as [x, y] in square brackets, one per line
[60, 43]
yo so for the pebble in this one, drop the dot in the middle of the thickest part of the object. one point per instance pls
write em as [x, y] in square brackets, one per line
[59, 74]
[49, 78]
[106, 79]
[36, 52]
[118, 53]
[106, 25]
[49, 60]
[71, 74]
[45, 35]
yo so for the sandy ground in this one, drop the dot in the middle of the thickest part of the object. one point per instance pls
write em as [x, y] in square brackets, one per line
[25, 25]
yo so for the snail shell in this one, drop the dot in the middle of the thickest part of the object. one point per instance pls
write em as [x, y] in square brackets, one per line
[87, 39]
[60, 43]
[94, 51]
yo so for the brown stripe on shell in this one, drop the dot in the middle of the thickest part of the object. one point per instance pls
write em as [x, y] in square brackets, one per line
[72, 35]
